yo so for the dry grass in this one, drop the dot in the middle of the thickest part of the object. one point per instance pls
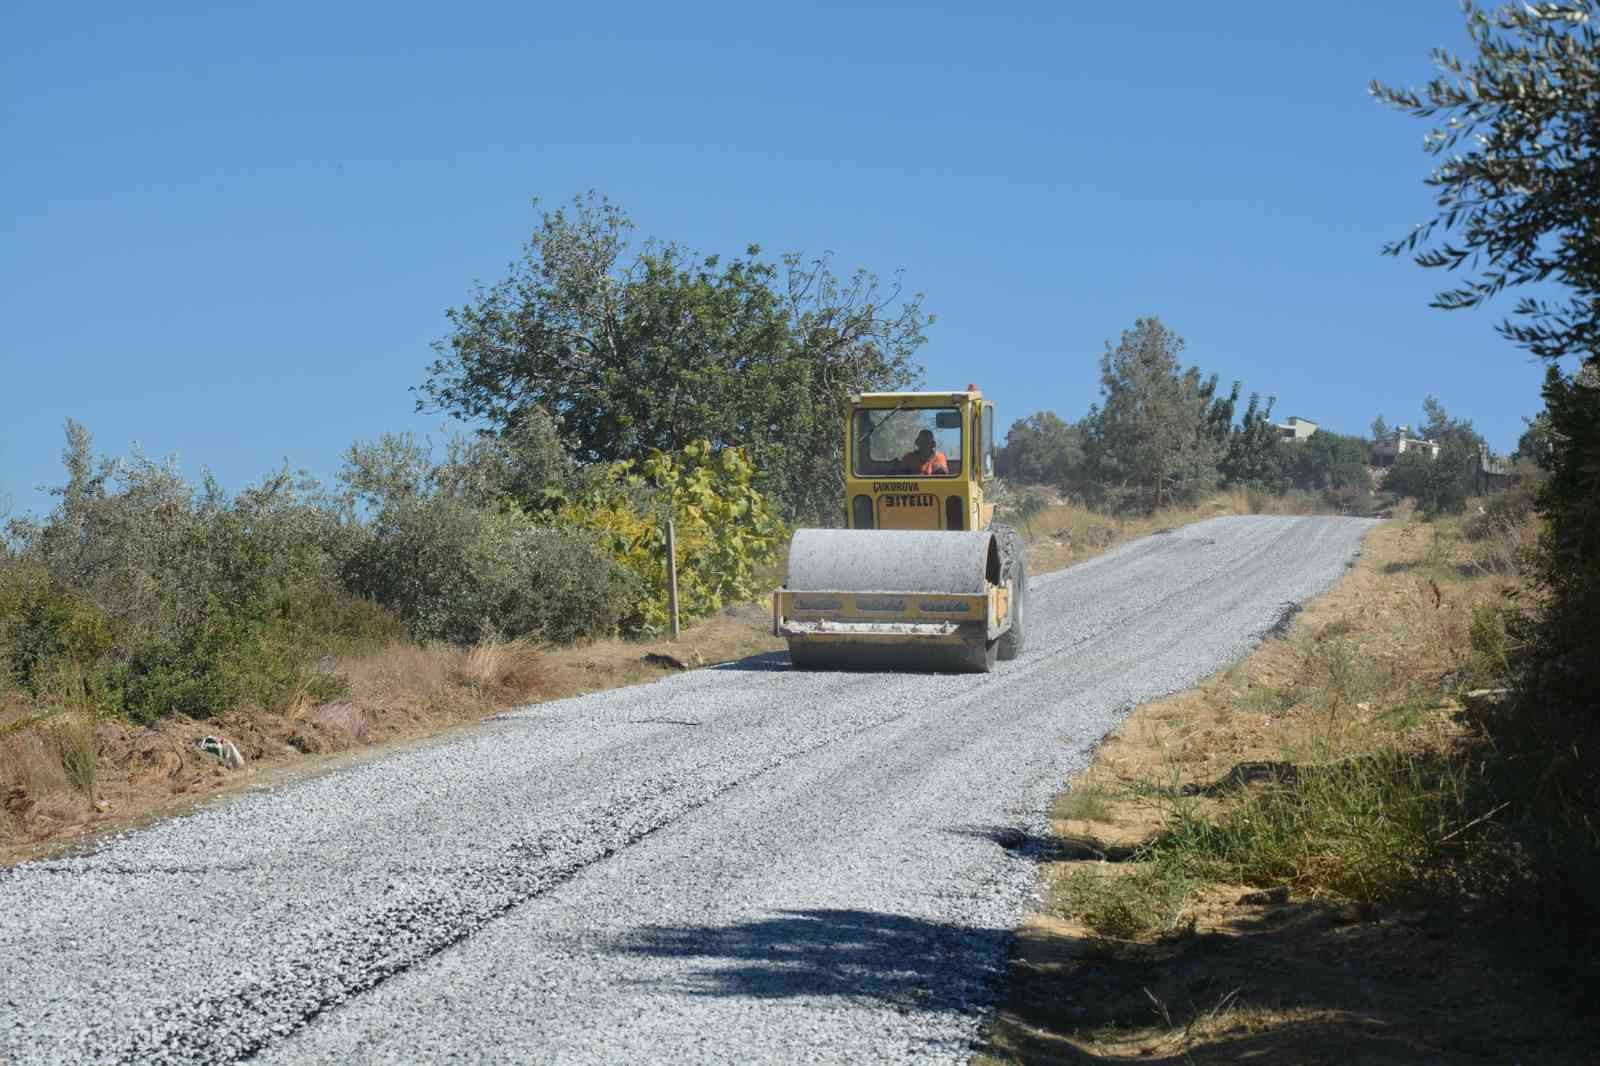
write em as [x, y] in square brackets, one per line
[1259, 869]
[1085, 803]
[1066, 532]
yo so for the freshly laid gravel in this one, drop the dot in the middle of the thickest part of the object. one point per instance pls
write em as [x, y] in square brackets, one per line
[741, 864]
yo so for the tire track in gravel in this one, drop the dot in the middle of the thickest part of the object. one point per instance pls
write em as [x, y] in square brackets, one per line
[383, 943]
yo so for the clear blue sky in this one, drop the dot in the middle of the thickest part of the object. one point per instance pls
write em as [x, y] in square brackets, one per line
[236, 228]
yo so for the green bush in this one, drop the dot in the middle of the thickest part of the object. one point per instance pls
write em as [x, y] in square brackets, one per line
[726, 529]
[328, 619]
[146, 595]
[1439, 485]
[183, 673]
[461, 573]
[43, 625]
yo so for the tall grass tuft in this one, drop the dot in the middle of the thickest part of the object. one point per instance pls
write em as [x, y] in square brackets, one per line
[1127, 903]
[1379, 828]
[73, 740]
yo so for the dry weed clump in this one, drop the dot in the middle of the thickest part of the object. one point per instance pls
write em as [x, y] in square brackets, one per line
[72, 739]
[1126, 903]
[1086, 803]
[49, 767]
[29, 768]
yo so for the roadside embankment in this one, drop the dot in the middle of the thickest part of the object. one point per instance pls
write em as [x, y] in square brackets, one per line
[1299, 859]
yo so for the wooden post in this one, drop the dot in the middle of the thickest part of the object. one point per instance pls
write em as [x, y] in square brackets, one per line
[672, 578]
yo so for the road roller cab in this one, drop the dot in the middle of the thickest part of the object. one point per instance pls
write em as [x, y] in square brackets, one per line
[918, 460]
[920, 577]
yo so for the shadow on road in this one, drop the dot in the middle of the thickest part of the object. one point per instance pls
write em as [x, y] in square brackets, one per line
[1037, 847]
[766, 662]
[909, 963]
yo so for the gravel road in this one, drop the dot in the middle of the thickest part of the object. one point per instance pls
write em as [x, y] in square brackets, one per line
[740, 864]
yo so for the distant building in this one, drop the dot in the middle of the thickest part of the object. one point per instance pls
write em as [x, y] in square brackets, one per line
[1399, 441]
[1492, 472]
[1295, 428]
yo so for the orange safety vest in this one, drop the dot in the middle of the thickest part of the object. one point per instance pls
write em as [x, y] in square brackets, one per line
[938, 464]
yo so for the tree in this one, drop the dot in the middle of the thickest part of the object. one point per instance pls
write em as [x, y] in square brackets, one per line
[634, 349]
[1327, 460]
[1041, 449]
[1151, 441]
[1517, 193]
[1520, 198]
[1535, 443]
[1440, 428]
[525, 465]
[1380, 429]
[1569, 550]
[1452, 476]
[1439, 483]
[1409, 474]
[1256, 455]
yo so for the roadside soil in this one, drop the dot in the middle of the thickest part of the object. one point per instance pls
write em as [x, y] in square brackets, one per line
[1286, 975]
[398, 695]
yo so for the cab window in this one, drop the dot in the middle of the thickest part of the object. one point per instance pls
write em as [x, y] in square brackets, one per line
[907, 442]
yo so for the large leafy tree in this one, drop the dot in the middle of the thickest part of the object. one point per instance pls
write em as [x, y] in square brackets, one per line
[1153, 439]
[1520, 176]
[1327, 460]
[631, 348]
[1041, 449]
[1516, 192]
[1519, 137]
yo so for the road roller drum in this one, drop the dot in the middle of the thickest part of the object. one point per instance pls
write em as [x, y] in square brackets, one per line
[921, 578]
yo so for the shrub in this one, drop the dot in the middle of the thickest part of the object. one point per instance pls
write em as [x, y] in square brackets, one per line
[187, 671]
[43, 624]
[154, 595]
[1503, 510]
[1030, 506]
[1125, 905]
[461, 573]
[726, 530]
[1352, 499]
[1439, 485]
[328, 619]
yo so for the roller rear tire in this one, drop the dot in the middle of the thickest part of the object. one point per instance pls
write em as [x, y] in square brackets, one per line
[1015, 552]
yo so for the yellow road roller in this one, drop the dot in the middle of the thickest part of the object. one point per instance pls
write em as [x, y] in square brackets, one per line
[920, 577]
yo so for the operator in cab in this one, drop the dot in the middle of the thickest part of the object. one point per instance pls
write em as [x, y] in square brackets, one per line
[926, 459]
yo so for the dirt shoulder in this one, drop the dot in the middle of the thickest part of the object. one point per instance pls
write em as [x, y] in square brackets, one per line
[1133, 956]
[66, 785]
